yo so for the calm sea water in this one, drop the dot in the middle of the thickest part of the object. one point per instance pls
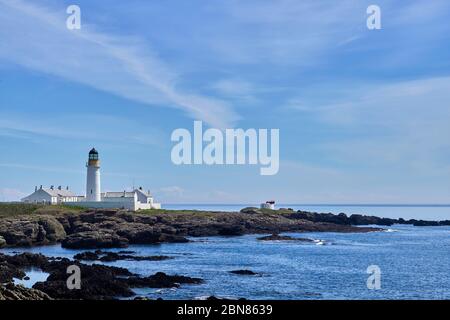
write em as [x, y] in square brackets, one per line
[414, 263]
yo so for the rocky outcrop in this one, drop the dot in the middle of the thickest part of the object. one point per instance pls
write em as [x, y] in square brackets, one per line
[104, 282]
[98, 229]
[244, 272]
[277, 237]
[99, 255]
[18, 292]
[95, 239]
[161, 280]
[30, 230]
[359, 219]
[97, 281]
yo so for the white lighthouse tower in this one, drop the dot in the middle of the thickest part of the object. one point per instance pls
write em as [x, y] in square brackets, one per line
[93, 192]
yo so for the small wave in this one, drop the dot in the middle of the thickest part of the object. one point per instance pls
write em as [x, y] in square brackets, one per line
[390, 230]
[164, 290]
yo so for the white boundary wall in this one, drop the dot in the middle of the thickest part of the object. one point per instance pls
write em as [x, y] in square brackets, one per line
[129, 205]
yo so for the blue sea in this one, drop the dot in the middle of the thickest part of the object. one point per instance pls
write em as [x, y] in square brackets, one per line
[414, 264]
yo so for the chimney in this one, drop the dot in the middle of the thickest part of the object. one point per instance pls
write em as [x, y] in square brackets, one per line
[52, 187]
[67, 188]
[59, 187]
[35, 188]
[41, 187]
[140, 188]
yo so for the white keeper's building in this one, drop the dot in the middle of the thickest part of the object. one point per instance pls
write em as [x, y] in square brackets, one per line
[131, 200]
[52, 196]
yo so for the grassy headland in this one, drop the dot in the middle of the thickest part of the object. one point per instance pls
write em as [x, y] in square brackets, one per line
[10, 209]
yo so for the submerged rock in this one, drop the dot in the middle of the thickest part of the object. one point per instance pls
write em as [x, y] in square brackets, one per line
[161, 280]
[244, 272]
[277, 237]
[113, 256]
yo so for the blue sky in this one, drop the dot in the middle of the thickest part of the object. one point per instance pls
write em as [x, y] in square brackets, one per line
[363, 115]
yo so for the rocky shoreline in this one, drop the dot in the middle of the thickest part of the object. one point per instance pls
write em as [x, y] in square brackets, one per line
[97, 229]
[98, 282]
[359, 220]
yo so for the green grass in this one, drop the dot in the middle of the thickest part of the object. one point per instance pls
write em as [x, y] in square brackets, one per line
[16, 209]
[180, 212]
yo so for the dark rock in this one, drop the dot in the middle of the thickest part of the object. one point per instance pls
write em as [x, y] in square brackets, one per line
[112, 256]
[52, 228]
[232, 230]
[87, 256]
[19, 292]
[8, 272]
[342, 219]
[277, 237]
[172, 238]
[27, 231]
[214, 298]
[94, 239]
[161, 280]
[13, 266]
[423, 223]
[97, 281]
[244, 272]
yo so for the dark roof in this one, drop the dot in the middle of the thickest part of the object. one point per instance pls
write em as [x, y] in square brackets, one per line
[93, 151]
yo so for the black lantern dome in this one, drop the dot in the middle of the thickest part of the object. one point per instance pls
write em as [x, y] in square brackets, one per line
[93, 154]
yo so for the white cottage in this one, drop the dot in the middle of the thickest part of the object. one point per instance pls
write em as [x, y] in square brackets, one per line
[51, 196]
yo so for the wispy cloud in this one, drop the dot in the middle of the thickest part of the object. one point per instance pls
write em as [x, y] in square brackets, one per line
[77, 126]
[286, 32]
[124, 66]
[403, 123]
[54, 169]
[11, 194]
